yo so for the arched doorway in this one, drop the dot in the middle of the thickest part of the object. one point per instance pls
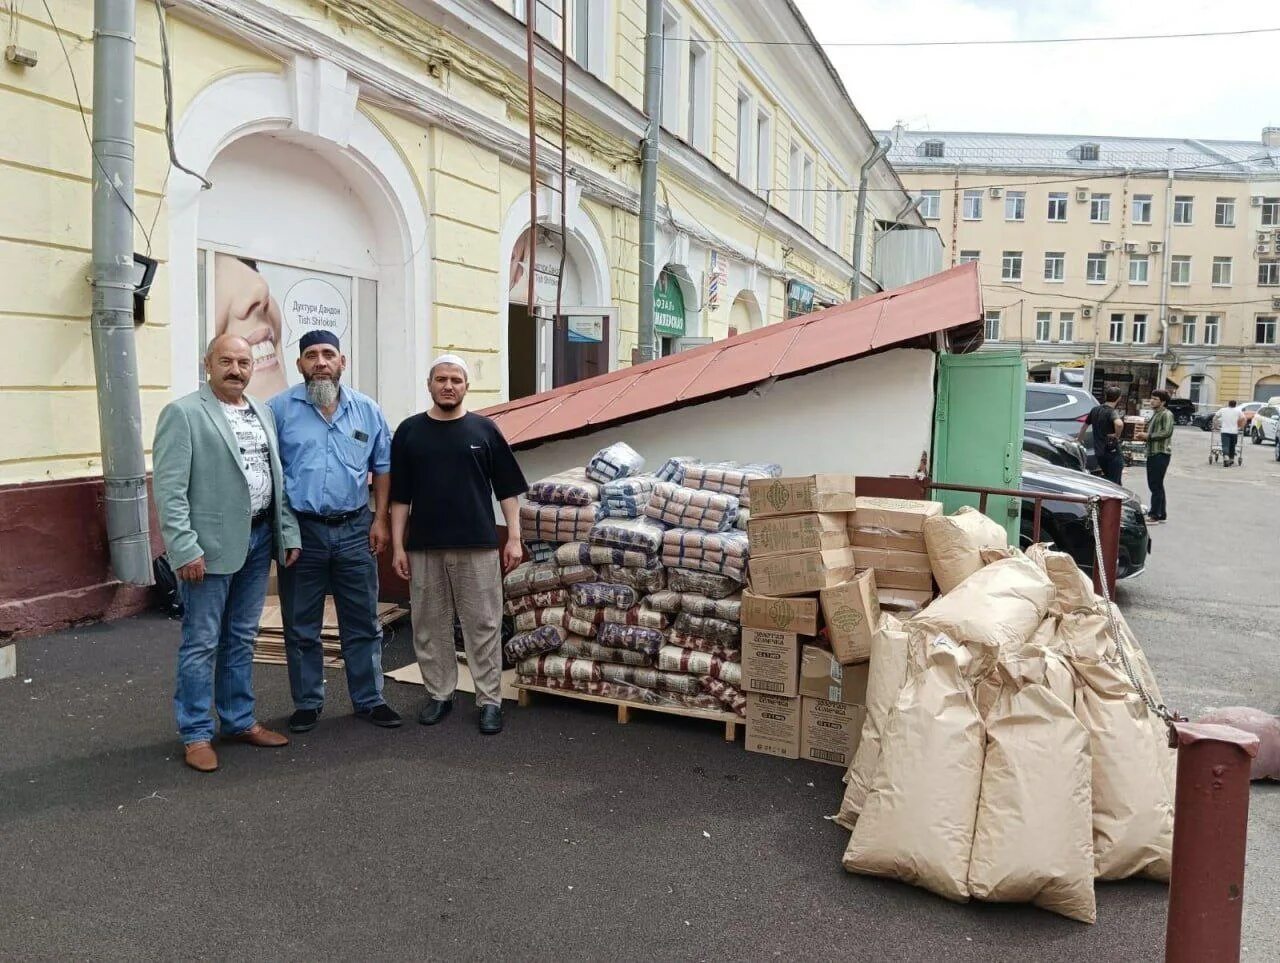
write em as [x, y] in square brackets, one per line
[1266, 388]
[745, 314]
[676, 310]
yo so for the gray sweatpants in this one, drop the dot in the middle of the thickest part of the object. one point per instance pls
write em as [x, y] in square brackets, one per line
[467, 582]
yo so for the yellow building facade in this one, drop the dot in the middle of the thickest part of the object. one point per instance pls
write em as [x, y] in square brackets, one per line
[363, 166]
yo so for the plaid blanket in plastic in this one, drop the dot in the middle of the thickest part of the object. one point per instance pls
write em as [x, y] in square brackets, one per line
[581, 648]
[530, 577]
[624, 692]
[538, 600]
[634, 637]
[682, 507]
[673, 469]
[629, 534]
[560, 667]
[571, 575]
[637, 615]
[678, 682]
[717, 630]
[528, 621]
[720, 553]
[600, 594]
[729, 477]
[643, 580]
[581, 553]
[619, 460]
[557, 523]
[672, 658]
[571, 487]
[626, 497]
[699, 644]
[545, 638]
[690, 582]
[730, 697]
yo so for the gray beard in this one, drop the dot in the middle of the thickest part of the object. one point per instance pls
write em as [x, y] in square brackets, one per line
[322, 392]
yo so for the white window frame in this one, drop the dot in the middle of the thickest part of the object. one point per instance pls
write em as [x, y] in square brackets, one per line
[835, 217]
[672, 67]
[1189, 328]
[1092, 276]
[1227, 206]
[1140, 261]
[1212, 329]
[1011, 262]
[1184, 209]
[764, 151]
[1140, 328]
[1055, 267]
[807, 202]
[1043, 326]
[1058, 200]
[1147, 203]
[931, 207]
[1100, 208]
[969, 255]
[975, 195]
[1258, 321]
[1066, 327]
[795, 171]
[1221, 278]
[1176, 263]
[992, 316]
[1015, 205]
[1114, 324]
[746, 136]
[698, 123]
[1269, 273]
[1269, 213]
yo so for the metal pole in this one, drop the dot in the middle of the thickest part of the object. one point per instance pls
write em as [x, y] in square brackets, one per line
[1165, 259]
[530, 16]
[649, 175]
[1210, 830]
[115, 363]
[855, 287]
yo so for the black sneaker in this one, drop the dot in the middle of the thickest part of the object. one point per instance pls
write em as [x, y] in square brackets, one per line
[382, 715]
[490, 720]
[304, 720]
[434, 710]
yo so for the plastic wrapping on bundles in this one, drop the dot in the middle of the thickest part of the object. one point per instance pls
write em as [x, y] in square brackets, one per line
[682, 507]
[720, 553]
[601, 594]
[665, 601]
[619, 460]
[729, 696]
[917, 824]
[559, 667]
[707, 584]
[1074, 589]
[717, 630]
[634, 637]
[571, 575]
[1266, 764]
[637, 615]
[571, 487]
[626, 497]
[886, 676]
[650, 678]
[643, 580]
[672, 658]
[544, 638]
[1033, 838]
[629, 534]
[999, 606]
[592, 614]
[557, 523]
[583, 648]
[673, 469]
[528, 621]
[541, 551]
[697, 643]
[583, 553]
[955, 544]
[530, 577]
[537, 600]
[728, 477]
[625, 692]
[579, 626]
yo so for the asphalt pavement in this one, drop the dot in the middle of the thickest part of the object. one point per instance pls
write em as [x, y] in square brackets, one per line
[568, 836]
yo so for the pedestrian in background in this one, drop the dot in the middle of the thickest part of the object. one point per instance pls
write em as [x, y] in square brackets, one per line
[1228, 420]
[219, 493]
[1107, 427]
[1159, 452]
[332, 438]
[447, 466]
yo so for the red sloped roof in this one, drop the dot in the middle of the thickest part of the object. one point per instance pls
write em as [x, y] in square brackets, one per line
[841, 333]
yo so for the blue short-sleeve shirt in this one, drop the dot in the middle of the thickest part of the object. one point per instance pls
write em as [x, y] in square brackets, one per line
[327, 463]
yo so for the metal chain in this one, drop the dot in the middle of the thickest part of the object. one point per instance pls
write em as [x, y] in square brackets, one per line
[1158, 708]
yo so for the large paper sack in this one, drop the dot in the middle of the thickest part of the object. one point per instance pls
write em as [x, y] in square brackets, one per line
[955, 544]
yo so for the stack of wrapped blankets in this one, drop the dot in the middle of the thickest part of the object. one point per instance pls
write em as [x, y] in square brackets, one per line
[633, 591]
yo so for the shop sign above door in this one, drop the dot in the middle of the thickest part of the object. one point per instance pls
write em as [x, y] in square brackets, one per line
[668, 307]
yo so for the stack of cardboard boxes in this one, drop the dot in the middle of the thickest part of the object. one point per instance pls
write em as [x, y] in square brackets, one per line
[819, 556]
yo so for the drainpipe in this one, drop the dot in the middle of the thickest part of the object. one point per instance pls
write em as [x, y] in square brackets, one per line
[115, 364]
[1165, 261]
[855, 288]
[649, 174]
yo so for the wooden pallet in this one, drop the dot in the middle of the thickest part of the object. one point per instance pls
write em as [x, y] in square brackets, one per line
[731, 720]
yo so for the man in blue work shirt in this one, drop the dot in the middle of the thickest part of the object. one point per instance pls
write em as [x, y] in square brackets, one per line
[331, 438]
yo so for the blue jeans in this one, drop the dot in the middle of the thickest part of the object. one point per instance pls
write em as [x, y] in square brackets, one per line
[219, 623]
[335, 561]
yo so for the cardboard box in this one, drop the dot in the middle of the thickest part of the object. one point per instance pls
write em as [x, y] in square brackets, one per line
[803, 573]
[830, 731]
[823, 677]
[799, 615]
[852, 614]
[883, 538]
[903, 600]
[788, 534]
[794, 496]
[773, 725]
[894, 569]
[895, 514]
[770, 661]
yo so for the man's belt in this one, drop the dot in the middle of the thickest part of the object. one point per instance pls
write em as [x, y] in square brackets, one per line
[338, 519]
[258, 519]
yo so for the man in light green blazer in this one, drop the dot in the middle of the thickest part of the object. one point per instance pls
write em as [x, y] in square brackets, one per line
[219, 492]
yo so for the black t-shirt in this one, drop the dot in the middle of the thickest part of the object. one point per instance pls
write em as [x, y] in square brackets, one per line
[445, 471]
[1102, 419]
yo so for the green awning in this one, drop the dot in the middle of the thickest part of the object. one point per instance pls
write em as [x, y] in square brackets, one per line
[668, 307]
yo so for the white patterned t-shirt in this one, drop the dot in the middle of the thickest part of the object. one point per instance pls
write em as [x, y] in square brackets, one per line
[255, 456]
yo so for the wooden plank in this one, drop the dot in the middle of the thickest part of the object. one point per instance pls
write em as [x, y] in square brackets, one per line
[624, 707]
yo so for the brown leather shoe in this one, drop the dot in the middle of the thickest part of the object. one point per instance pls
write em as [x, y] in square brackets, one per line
[259, 735]
[201, 757]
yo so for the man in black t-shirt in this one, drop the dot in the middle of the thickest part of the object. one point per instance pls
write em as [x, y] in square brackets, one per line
[447, 466]
[1107, 427]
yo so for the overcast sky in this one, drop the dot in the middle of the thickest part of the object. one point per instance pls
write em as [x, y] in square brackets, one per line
[1206, 87]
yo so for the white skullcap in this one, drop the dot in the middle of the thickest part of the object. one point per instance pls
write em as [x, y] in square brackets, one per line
[451, 359]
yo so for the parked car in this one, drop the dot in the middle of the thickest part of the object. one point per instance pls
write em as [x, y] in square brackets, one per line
[1059, 408]
[1204, 419]
[1066, 524]
[1183, 409]
[1264, 424]
[1057, 449]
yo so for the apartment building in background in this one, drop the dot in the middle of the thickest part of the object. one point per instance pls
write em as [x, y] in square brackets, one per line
[1075, 234]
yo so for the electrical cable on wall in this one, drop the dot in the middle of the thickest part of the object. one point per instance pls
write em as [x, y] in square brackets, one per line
[167, 73]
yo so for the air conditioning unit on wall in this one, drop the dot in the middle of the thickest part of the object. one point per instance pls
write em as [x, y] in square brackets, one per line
[1255, 200]
[1086, 310]
[1263, 248]
[1082, 194]
[1155, 247]
[997, 193]
[1130, 247]
[1108, 246]
[1275, 304]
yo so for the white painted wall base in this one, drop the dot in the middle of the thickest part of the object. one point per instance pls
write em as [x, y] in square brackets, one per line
[8, 661]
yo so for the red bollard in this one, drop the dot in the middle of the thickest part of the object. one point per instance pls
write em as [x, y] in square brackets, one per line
[1210, 825]
[1110, 510]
